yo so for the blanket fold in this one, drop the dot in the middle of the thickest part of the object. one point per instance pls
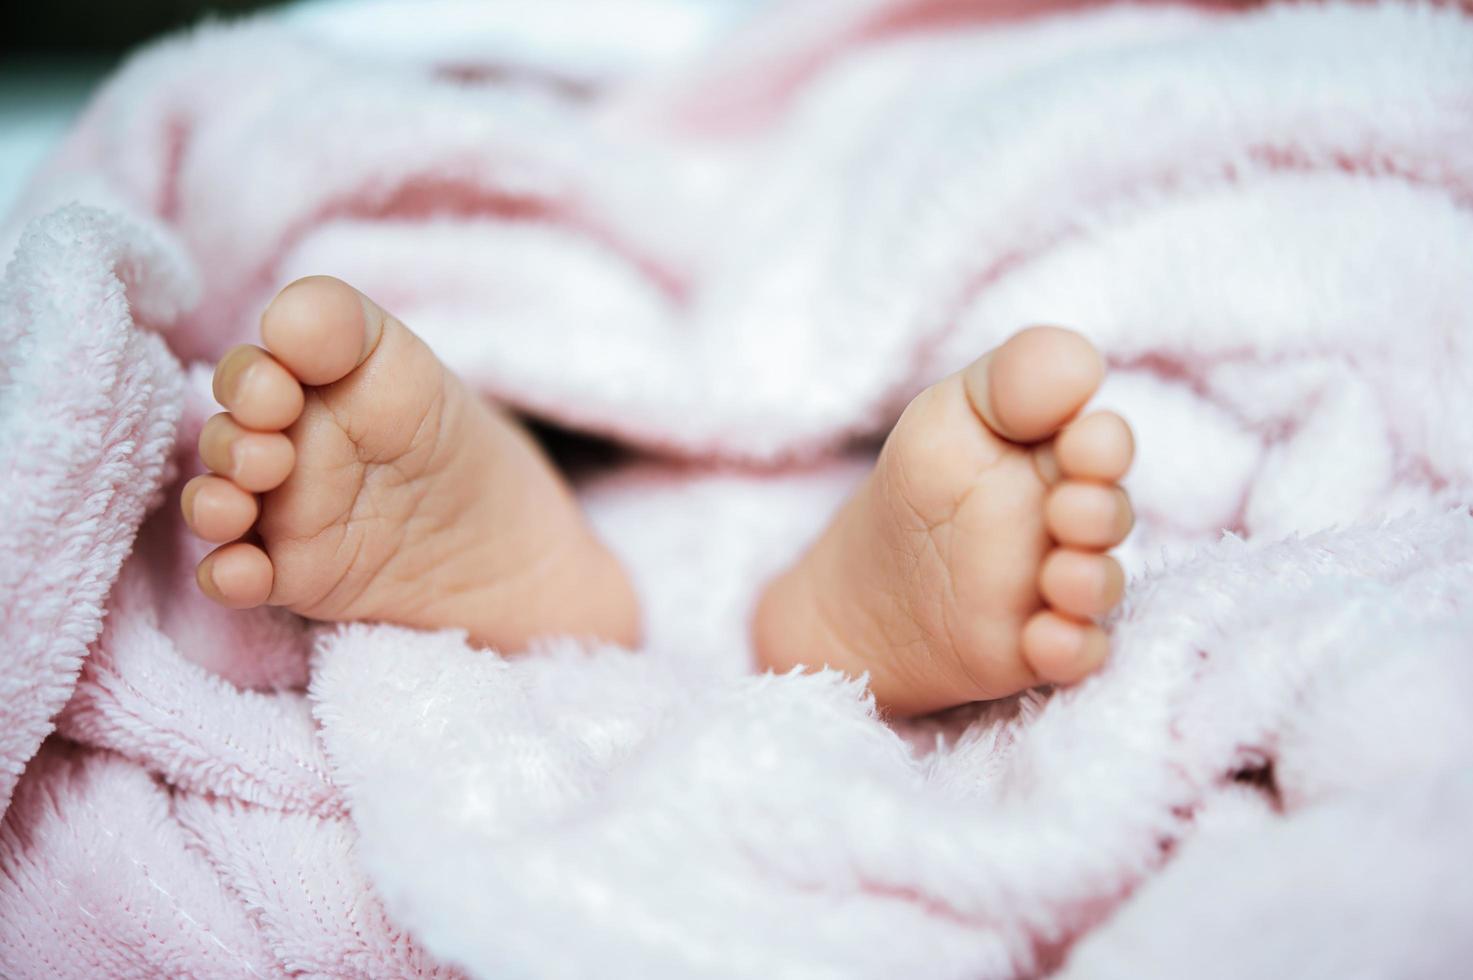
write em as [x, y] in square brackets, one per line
[90, 405]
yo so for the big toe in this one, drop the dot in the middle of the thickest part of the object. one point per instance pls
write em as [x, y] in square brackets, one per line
[321, 328]
[1026, 389]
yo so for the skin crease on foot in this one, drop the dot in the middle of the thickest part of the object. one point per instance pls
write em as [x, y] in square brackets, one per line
[354, 477]
[971, 562]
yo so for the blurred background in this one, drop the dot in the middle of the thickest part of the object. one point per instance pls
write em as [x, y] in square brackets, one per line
[52, 53]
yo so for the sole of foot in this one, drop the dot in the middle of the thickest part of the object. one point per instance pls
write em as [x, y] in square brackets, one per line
[971, 563]
[353, 477]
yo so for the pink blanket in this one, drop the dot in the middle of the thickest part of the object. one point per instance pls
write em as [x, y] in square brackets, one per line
[736, 239]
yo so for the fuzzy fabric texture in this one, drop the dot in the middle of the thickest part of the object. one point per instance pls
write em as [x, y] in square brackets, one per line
[735, 239]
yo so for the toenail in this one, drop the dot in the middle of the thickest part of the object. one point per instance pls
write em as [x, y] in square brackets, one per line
[215, 580]
[241, 383]
[1094, 648]
[1102, 581]
[201, 504]
[1088, 649]
[1047, 464]
[1124, 514]
[1076, 643]
[204, 575]
[246, 456]
[228, 376]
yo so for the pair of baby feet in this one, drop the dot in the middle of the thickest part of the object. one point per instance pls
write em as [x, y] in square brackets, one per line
[354, 477]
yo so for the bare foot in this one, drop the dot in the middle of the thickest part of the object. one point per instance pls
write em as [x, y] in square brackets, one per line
[968, 564]
[387, 490]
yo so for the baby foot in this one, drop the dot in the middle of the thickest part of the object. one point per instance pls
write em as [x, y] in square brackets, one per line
[968, 564]
[387, 490]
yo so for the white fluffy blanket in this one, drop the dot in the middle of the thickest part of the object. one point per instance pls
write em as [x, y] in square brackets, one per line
[735, 239]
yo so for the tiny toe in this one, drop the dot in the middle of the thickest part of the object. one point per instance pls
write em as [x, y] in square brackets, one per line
[255, 461]
[1099, 446]
[259, 393]
[238, 575]
[1081, 583]
[217, 510]
[1034, 383]
[1061, 651]
[1088, 515]
[321, 328]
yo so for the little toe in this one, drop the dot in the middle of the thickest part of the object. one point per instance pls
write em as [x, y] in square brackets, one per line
[238, 575]
[321, 328]
[1099, 446]
[1061, 651]
[1081, 583]
[1087, 515]
[255, 461]
[259, 393]
[217, 510]
[1034, 383]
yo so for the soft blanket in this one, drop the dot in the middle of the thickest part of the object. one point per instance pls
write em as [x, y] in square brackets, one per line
[735, 239]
